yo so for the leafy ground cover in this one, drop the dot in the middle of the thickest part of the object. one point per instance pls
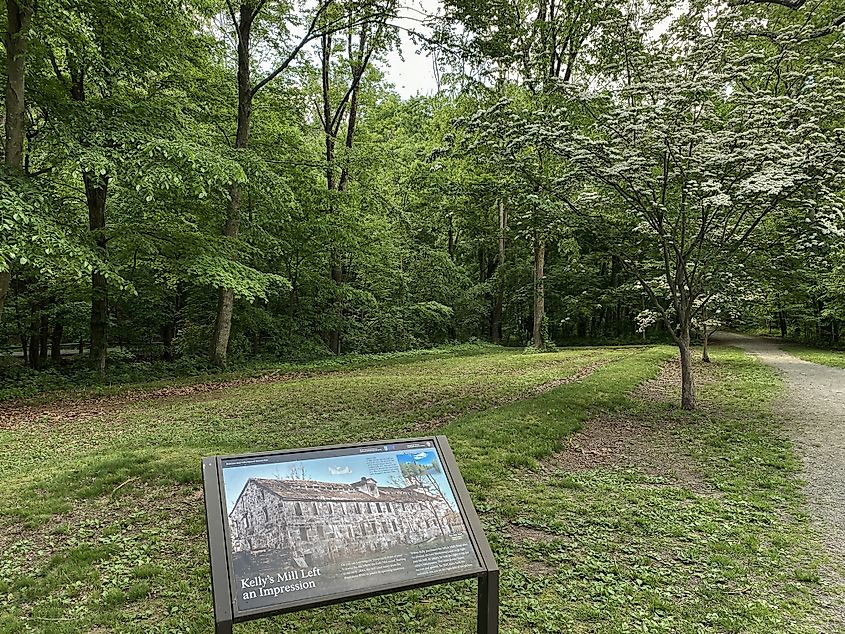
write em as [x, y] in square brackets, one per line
[660, 521]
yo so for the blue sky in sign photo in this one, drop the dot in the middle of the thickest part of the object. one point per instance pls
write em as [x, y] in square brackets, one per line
[340, 469]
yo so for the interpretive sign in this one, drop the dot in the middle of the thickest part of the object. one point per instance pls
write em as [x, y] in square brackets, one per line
[302, 528]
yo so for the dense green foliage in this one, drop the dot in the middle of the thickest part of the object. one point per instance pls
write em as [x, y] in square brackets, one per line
[234, 179]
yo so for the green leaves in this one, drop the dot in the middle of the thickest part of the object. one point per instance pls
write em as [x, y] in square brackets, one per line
[215, 271]
[32, 236]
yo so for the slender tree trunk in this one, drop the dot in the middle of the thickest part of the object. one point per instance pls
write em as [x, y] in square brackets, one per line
[96, 192]
[34, 352]
[34, 357]
[687, 379]
[167, 333]
[226, 296]
[331, 127]
[452, 241]
[539, 292]
[336, 263]
[43, 338]
[56, 343]
[15, 40]
[498, 307]
[496, 322]
[705, 352]
[350, 133]
[5, 281]
[782, 323]
[337, 278]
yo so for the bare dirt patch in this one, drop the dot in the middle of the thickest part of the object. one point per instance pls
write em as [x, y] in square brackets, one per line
[536, 567]
[620, 442]
[525, 536]
[524, 533]
[665, 388]
[645, 444]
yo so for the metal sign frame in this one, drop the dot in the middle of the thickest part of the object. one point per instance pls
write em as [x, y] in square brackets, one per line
[226, 611]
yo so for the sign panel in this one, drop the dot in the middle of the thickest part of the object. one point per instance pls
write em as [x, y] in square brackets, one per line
[322, 525]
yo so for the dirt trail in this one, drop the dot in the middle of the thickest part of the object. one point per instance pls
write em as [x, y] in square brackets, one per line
[815, 412]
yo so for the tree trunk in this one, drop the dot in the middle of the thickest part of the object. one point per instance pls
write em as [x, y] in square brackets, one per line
[5, 281]
[331, 126]
[226, 296]
[15, 40]
[496, 321]
[687, 379]
[332, 120]
[34, 356]
[43, 338]
[350, 132]
[498, 307]
[222, 326]
[539, 293]
[782, 323]
[56, 343]
[705, 352]
[96, 192]
[34, 351]
[167, 333]
[337, 278]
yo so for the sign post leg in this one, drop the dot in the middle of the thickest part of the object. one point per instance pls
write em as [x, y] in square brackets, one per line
[223, 628]
[488, 603]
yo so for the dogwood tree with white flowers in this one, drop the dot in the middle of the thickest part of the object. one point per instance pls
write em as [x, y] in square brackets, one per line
[689, 155]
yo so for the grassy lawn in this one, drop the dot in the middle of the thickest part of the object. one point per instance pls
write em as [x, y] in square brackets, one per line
[833, 358]
[103, 523]
[76, 379]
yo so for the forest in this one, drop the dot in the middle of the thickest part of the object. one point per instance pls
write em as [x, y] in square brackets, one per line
[196, 183]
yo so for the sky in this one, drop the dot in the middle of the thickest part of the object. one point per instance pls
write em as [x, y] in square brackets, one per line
[344, 469]
[415, 75]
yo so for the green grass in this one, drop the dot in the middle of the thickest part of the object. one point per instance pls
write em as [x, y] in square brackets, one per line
[103, 528]
[75, 378]
[833, 358]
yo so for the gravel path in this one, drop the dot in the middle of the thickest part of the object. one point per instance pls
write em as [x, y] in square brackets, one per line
[815, 412]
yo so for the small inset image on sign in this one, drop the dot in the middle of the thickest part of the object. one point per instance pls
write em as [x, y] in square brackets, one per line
[322, 523]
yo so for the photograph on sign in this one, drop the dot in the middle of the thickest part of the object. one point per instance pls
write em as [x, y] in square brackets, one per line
[320, 523]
